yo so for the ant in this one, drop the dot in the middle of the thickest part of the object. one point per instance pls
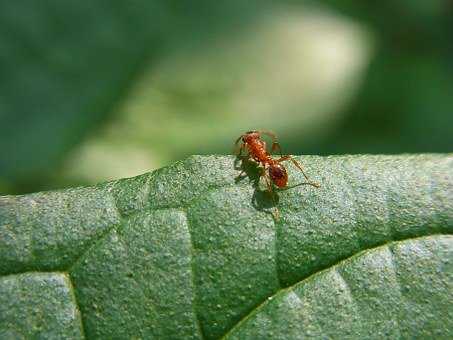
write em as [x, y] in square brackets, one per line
[272, 169]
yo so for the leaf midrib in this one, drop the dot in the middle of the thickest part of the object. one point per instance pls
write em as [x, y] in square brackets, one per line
[313, 275]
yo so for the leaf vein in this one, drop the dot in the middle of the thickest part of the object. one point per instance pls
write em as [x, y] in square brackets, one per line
[303, 280]
[76, 304]
[194, 281]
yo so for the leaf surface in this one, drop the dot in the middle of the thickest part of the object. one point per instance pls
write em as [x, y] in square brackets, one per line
[193, 251]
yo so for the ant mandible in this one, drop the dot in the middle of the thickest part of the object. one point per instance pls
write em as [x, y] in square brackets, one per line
[272, 169]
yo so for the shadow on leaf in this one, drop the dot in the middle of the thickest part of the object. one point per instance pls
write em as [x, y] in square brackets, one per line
[262, 199]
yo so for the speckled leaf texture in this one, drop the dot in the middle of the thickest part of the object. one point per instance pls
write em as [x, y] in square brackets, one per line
[192, 251]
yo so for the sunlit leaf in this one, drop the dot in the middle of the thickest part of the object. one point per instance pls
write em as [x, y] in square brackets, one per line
[193, 251]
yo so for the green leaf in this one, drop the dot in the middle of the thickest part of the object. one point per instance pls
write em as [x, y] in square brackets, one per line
[193, 251]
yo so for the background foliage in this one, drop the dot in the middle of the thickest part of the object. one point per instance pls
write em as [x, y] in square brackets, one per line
[93, 90]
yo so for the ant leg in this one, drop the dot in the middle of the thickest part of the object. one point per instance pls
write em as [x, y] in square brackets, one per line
[237, 140]
[299, 166]
[241, 158]
[271, 191]
[238, 149]
[268, 181]
[275, 144]
[268, 133]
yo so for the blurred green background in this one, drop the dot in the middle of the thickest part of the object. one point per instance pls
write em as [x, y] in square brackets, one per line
[97, 90]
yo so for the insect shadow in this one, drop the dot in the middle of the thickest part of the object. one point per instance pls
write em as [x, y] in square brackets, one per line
[262, 199]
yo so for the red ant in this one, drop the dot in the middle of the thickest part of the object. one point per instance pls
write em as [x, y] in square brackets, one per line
[272, 169]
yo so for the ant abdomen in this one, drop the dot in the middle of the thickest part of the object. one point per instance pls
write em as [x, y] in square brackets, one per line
[278, 175]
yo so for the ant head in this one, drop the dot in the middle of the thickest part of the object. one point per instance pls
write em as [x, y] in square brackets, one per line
[278, 174]
[250, 135]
